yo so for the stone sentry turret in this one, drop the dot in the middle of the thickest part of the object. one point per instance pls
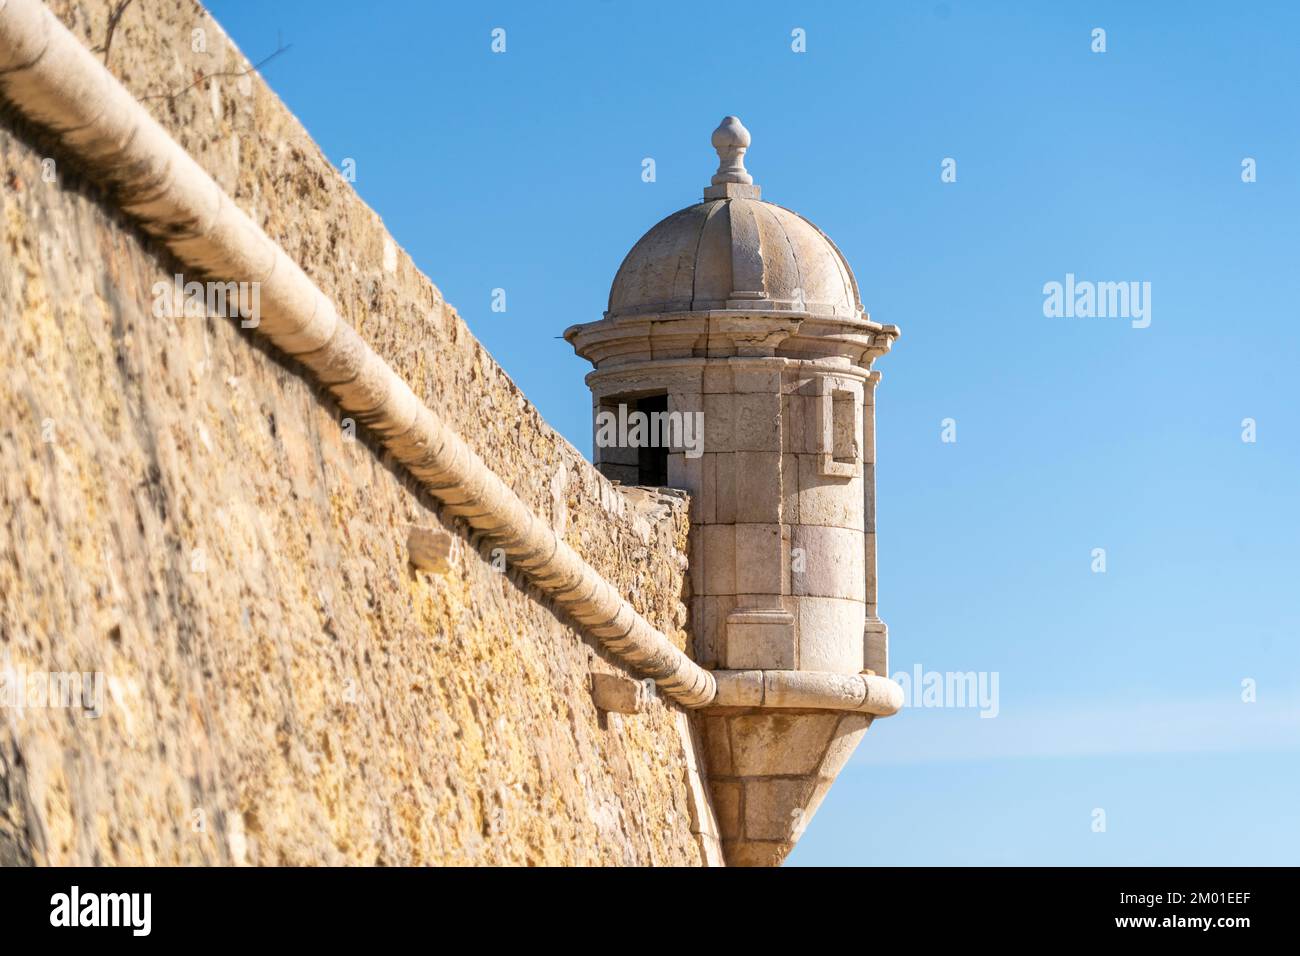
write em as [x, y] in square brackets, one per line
[743, 317]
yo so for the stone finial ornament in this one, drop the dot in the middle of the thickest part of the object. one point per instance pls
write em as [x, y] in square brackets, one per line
[731, 139]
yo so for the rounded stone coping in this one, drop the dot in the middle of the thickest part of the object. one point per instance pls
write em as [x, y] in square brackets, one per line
[808, 690]
[55, 82]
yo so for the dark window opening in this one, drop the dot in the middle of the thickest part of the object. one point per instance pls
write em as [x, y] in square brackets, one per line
[632, 439]
[652, 458]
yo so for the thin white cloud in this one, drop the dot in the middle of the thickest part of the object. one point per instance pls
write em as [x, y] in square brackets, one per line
[1157, 727]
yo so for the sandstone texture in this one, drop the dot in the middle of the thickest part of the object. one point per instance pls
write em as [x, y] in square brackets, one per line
[182, 513]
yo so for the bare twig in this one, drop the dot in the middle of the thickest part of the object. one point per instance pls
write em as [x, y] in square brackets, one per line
[113, 19]
[282, 48]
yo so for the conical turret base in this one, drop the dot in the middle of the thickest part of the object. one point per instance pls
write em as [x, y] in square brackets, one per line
[768, 772]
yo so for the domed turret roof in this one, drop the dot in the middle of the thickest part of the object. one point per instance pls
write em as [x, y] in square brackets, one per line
[734, 251]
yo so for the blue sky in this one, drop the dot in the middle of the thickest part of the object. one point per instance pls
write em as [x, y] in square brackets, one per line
[1121, 690]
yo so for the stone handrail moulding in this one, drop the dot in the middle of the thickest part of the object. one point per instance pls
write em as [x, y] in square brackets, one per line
[54, 81]
[812, 690]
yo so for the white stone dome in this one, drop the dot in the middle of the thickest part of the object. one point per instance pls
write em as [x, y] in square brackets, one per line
[735, 252]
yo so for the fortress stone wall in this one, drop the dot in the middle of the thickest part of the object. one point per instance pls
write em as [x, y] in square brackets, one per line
[185, 515]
